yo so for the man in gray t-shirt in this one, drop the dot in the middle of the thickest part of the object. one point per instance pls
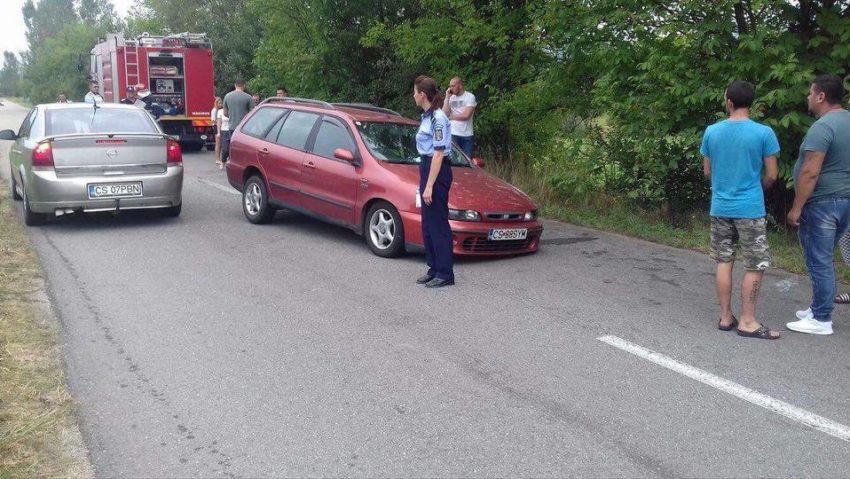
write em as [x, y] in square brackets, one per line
[236, 105]
[822, 198]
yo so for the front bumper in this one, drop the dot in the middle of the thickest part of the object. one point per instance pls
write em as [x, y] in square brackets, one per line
[470, 238]
[48, 193]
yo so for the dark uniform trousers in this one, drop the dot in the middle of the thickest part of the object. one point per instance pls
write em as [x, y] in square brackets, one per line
[436, 232]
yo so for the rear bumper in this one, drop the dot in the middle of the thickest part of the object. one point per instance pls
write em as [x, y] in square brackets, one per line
[470, 238]
[47, 192]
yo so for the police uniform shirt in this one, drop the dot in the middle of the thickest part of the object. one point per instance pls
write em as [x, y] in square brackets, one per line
[434, 133]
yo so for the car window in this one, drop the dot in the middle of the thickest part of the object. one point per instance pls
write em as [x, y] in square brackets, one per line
[296, 129]
[396, 143]
[24, 131]
[37, 125]
[331, 136]
[261, 121]
[70, 121]
[275, 131]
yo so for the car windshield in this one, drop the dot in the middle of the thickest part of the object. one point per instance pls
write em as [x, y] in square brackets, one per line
[65, 121]
[396, 143]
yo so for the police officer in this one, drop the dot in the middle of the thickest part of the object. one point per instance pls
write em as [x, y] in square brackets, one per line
[131, 97]
[433, 142]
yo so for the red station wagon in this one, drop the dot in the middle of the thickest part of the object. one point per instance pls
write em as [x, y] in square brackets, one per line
[356, 165]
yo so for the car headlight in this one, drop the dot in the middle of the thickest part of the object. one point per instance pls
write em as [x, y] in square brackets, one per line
[464, 215]
[530, 216]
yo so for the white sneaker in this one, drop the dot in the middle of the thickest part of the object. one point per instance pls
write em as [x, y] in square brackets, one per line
[811, 326]
[807, 314]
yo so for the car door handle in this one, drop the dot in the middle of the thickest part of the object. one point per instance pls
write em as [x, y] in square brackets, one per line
[263, 151]
[310, 165]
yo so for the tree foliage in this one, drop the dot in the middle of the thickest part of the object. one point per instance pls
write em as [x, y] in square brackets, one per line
[60, 34]
[595, 95]
[10, 75]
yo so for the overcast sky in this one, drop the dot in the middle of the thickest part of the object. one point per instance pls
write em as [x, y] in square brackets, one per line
[12, 30]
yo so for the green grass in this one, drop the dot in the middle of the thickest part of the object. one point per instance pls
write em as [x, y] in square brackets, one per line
[37, 431]
[607, 213]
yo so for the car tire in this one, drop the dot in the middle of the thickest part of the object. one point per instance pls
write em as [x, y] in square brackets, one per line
[32, 218]
[172, 211]
[13, 186]
[255, 201]
[384, 230]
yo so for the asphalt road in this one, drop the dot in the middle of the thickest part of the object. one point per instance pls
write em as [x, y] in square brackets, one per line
[207, 346]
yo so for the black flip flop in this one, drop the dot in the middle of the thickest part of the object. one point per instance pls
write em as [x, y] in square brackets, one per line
[761, 333]
[730, 327]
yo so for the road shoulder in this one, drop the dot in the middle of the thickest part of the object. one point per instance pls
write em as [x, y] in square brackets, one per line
[39, 435]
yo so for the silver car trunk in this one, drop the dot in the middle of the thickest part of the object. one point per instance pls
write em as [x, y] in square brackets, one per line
[109, 155]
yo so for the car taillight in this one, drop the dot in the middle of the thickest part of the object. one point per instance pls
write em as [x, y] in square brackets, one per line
[42, 155]
[175, 156]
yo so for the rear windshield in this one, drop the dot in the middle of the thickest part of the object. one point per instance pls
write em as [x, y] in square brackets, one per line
[67, 121]
[396, 143]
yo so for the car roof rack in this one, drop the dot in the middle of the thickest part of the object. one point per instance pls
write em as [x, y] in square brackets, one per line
[369, 107]
[305, 101]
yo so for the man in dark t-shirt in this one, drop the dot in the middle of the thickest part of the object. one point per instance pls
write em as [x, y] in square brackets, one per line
[822, 198]
[236, 105]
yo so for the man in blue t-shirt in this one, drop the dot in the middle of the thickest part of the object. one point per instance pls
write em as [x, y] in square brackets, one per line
[735, 152]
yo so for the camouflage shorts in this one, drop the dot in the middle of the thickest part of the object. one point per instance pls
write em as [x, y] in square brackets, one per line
[751, 235]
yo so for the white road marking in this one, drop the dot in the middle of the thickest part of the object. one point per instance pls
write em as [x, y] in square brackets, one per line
[226, 189]
[792, 412]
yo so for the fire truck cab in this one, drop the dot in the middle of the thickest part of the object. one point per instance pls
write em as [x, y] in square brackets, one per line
[176, 69]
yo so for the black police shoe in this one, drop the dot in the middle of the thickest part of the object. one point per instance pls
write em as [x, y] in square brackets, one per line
[424, 279]
[439, 283]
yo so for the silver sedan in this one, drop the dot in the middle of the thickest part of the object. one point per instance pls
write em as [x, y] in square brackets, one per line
[78, 157]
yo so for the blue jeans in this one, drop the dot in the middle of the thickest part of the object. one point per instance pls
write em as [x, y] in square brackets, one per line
[822, 224]
[465, 143]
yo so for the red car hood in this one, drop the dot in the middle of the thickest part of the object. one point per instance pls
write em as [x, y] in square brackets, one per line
[473, 189]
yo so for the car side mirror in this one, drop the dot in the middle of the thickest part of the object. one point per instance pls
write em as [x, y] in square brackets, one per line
[344, 155]
[8, 135]
[478, 162]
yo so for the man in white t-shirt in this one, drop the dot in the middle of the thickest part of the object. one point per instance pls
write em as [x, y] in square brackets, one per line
[460, 108]
[93, 96]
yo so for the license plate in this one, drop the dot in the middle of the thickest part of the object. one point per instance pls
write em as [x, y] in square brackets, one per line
[115, 190]
[507, 235]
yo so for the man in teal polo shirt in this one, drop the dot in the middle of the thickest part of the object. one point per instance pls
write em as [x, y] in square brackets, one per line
[736, 151]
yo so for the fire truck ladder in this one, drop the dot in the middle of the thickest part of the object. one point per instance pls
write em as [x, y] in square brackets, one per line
[131, 64]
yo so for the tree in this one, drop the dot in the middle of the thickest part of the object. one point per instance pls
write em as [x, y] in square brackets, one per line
[57, 36]
[100, 15]
[47, 19]
[10, 75]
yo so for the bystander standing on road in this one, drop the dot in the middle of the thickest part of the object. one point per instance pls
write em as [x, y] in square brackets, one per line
[281, 91]
[736, 151]
[214, 116]
[93, 96]
[255, 99]
[460, 108]
[822, 198]
[62, 99]
[235, 106]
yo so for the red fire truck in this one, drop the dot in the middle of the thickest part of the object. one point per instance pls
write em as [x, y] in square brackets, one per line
[176, 69]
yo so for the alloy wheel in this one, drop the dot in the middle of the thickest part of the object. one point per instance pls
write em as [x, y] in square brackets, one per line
[382, 229]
